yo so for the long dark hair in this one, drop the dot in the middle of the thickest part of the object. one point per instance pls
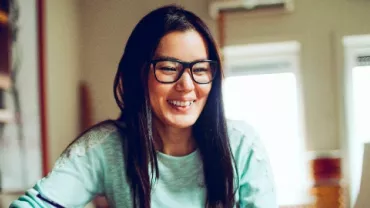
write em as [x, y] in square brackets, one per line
[131, 94]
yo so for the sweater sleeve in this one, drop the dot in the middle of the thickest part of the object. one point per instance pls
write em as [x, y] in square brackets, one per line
[75, 179]
[256, 183]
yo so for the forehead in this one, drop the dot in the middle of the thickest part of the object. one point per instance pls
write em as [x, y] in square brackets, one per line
[186, 46]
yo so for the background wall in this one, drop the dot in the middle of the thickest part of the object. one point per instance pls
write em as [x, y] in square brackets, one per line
[62, 73]
[317, 25]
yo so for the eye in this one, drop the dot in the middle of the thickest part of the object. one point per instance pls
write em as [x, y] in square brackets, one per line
[199, 70]
[167, 68]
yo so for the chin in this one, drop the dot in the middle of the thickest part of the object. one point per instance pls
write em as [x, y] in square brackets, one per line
[182, 123]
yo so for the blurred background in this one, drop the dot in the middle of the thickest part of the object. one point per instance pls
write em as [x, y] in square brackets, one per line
[296, 70]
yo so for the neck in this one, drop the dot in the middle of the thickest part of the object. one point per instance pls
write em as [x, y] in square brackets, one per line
[173, 141]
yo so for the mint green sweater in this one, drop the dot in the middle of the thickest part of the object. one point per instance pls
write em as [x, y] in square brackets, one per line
[94, 165]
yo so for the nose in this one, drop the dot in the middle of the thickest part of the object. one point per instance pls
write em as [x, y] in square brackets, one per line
[185, 83]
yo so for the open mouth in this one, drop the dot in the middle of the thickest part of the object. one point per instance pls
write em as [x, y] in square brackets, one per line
[177, 103]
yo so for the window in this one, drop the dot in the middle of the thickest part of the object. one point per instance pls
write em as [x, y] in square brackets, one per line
[357, 102]
[361, 101]
[264, 91]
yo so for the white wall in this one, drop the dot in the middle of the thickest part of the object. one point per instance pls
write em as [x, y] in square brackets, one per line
[62, 74]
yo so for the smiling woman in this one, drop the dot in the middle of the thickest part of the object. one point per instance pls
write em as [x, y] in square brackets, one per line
[176, 99]
[171, 145]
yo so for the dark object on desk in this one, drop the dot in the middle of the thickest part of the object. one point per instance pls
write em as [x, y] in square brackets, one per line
[326, 172]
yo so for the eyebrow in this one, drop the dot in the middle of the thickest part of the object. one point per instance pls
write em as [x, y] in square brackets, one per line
[176, 59]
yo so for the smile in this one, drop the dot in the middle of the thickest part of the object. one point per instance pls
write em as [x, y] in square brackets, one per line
[181, 103]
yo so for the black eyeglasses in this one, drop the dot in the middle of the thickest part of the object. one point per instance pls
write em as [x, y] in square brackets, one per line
[170, 70]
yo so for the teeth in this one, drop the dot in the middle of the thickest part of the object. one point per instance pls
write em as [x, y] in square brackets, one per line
[181, 103]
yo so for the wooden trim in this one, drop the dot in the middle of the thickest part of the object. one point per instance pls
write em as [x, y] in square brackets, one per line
[3, 18]
[221, 28]
[5, 81]
[42, 84]
[6, 116]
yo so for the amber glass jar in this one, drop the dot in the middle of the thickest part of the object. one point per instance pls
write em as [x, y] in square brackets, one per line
[327, 190]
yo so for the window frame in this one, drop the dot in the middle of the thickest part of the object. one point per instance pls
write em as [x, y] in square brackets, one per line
[354, 46]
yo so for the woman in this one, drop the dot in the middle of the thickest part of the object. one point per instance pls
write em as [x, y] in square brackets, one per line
[172, 146]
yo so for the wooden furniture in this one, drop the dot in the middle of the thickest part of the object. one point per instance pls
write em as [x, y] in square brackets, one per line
[5, 59]
[5, 46]
[7, 34]
[5, 64]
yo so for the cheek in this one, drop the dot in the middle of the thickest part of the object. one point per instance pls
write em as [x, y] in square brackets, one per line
[157, 91]
[152, 91]
[203, 91]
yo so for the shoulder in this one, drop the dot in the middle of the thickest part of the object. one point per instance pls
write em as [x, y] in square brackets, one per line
[91, 141]
[244, 139]
[97, 135]
[255, 176]
[240, 132]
